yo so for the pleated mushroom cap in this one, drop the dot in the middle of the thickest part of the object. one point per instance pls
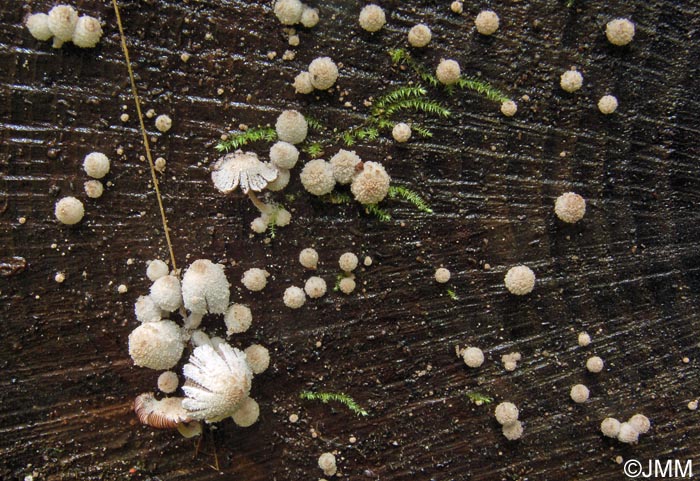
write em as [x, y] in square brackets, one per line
[242, 169]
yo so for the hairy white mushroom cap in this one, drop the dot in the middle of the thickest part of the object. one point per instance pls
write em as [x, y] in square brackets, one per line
[308, 258]
[372, 184]
[347, 285]
[607, 104]
[156, 345]
[457, 6]
[344, 165]
[255, 279]
[324, 73]
[167, 293]
[93, 189]
[372, 18]
[217, 381]
[247, 413]
[513, 431]
[88, 32]
[315, 287]
[570, 207]
[168, 382]
[302, 83]
[289, 12]
[506, 413]
[520, 280]
[242, 169]
[284, 155]
[309, 17]
[473, 357]
[509, 108]
[205, 287]
[62, 21]
[628, 434]
[619, 31]
[294, 297]
[280, 182]
[164, 123]
[258, 358]
[579, 393]
[38, 26]
[610, 427]
[259, 225]
[317, 177]
[283, 217]
[571, 80]
[291, 126]
[419, 35]
[640, 422]
[147, 310]
[96, 165]
[401, 132]
[584, 339]
[69, 211]
[165, 413]
[595, 364]
[486, 22]
[448, 72]
[238, 318]
[442, 275]
[348, 262]
[327, 463]
[156, 269]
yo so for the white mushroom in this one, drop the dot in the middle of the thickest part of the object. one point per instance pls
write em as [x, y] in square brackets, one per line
[166, 292]
[238, 318]
[147, 310]
[161, 414]
[156, 345]
[247, 413]
[205, 287]
[242, 169]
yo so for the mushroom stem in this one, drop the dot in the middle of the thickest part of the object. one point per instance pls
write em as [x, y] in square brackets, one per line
[262, 207]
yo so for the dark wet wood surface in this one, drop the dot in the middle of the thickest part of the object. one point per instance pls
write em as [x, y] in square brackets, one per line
[628, 273]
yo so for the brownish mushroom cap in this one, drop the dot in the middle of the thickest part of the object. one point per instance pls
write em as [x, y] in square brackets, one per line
[165, 413]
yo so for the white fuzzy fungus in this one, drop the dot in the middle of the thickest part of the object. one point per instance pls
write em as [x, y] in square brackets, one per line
[167, 293]
[62, 21]
[258, 358]
[284, 155]
[610, 427]
[372, 18]
[372, 184]
[96, 165]
[156, 345]
[244, 170]
[255, 279]
[317, 177]
[344, 165]
[520, 280]
[163, 123]
[200, 338]
[238, 319]
[205, 287]
[308, 258]
[509, 108]
[327, 463]
[259, 224]
[640, 422]
[302, 83]
[584, 339]
[93, 189]
[448, 72]
[156, 269]
[473, 357]
[513, 431]
[607, 104]
[442, 275]
[291, 126]
[486, 22]
[595, 364]
[347, 285]
[289, 12]
[324, 73]
[282, 180]
[247, 413]
[419, 35]
[69, 210]
[294, 297]
[88, 32]
[628, 434]
[309, 17]
[315, 287]
[283, 217]
[147, 310]
[38, 26]
[579, 393]
[168, 382]
[348, 262]
[570, 207]
[217, 381]
[401, 132]
[619, 31]
[506, 413]
[457, 6]
[571, 80]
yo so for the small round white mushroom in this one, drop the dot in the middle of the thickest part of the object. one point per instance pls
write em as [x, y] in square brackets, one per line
[619, 31]
[607, 104]
[282, 180]
[309, 17]
[88, 32]
[372, 18]
[628, 434]
[520, 280]
[457, 7]
[96, 165]
[284, 155]
[348, 262]
[291, 126]
[294, 297]
[594, 364]
[156, 269]
[347, 285]
[579, 393]
[610, 427]
[308, 258]
[69, 210]
[448, 72]
[486, 22]
[327, 463]
[205, 287]
[324, 73]
[247, 413]
[509, 108]
[302, 83]
[163, 123]
[571, 80]
[156, 345]
[584, 339]
[93, 189]
[62, 21]
[401, 132]
[238, 319]
[372, 184]
[166, 292]
[147, 310]
[513, 431]
[640, 422]
[289, 12]
[473, 357]
[442, 275]
[38, 26]
[168, 382]
[258, 358]
[506, 413]
[315, 287]
[419, 35]
[255, 279]
[344, 165]
[570, 207]
[317, 177]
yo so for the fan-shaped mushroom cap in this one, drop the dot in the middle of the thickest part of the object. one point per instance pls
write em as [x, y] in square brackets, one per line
[205, 287]
[242, 169]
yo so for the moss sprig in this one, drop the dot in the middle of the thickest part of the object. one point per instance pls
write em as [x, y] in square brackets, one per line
[401, 192]
[240, 138]
[377, 212]
[478, 398]
[483, 88]
[452, 294]
[342, 398]
[338, 198]
[401, 56]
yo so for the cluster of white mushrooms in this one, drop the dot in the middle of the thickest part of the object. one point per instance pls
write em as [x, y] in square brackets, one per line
[70, 210]
[292, 12]
[218, 377]
[64, 25]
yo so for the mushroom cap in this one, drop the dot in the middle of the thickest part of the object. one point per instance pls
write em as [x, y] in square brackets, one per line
[579, 393]
[38, 26]
[584, 339]
[93, 188]
[156, 345]
[88, 32]
[640, 422]
[156, 269]
[372, 18]
[347, 285]
[327, 463]
[448, 72]
[520, 280]
[302, 83]
[69, 210]
[308, 258]
[344, 165]
[372, 184]
[259, 225]
[619, 31]
[324, 73]
[317, 177]
[348, 262]
[291, 126]
[628, 434]
[315, 287]
[167, 293]
[289, 12]
[610, 427]
[571, 80]
[217, 381]
[258, 358]
[473, 356]
[309, 17]
[200, 338]
[62, 21]
[283, 217]
[513, 431]
[168, 382]
[570, 207]
[96, 165]
[486, 22]
[163, 123]
[242, 169]
[294, 297]
[607, 104]
[147, 310]
[442, 275]
[595, 364]
[506, 413]
[401, 132]
[282, 180]
[247, 413]
[284, 155]
[419, 35]
[205, 287]
[255, 279]
[509, 108]
[238, 318]
[165, 413]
